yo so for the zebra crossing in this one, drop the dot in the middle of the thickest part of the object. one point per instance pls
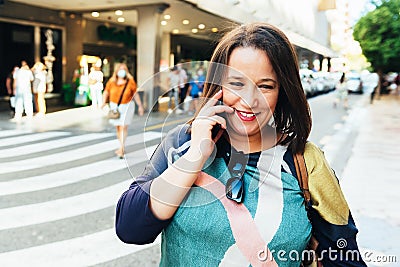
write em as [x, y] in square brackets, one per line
[58, 192]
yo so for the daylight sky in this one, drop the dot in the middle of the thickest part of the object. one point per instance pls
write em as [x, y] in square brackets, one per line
[357, 8]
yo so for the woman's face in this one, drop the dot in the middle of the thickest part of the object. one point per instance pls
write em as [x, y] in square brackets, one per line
[252, 89]
[121, 71]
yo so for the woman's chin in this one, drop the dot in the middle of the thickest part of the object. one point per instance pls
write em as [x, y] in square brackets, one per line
[245, 132]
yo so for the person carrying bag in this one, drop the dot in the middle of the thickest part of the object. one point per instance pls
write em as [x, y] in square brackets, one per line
[114, 113]
[120, 92]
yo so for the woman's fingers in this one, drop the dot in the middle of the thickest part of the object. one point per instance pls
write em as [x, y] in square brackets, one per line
[214, 99]
[222, 108]
[209, 121]
[215, 106]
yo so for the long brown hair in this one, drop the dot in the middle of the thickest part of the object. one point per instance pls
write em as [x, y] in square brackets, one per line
[292, 115]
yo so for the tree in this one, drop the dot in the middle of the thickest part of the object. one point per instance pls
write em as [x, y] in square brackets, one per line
[378, 33]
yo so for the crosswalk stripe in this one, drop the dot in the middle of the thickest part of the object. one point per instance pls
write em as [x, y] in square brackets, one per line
[74, 154]
[17, 140]
[66, 207]
[87, 250]
[6, 133]
[53, 144]
[72, 175]
[61, 208]
[81, 251]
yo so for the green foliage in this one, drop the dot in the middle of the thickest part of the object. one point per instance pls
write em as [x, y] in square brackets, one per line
[378, 33]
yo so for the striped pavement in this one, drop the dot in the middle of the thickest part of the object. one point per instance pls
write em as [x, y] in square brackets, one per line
[58, 192]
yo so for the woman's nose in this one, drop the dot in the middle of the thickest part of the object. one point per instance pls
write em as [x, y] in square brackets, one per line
[250, 97]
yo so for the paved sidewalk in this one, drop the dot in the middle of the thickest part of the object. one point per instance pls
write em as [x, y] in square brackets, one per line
[371, 181]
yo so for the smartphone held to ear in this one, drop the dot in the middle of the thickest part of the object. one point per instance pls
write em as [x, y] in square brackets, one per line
[217, 130]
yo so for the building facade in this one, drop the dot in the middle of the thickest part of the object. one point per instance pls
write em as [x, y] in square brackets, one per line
[148, 35]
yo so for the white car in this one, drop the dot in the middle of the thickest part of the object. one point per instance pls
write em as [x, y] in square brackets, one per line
[354, 83]
[306, 81]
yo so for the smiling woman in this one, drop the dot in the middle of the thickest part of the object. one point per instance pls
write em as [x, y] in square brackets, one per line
[252, 91]
[223, 188]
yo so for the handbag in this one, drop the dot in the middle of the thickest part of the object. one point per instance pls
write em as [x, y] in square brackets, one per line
[81, 97]
[12, 101]
[302, 178]
[114, 113]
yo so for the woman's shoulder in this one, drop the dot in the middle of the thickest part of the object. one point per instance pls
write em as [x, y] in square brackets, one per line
[176, 142]
[179, 134]
[132, 83]
[326, 195]
[312, 152]
[111, 81]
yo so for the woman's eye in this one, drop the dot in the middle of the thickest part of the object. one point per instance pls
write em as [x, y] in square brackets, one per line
[236, 84]
[266, 87]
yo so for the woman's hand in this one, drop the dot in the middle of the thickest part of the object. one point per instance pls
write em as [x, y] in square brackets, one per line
[202, 144]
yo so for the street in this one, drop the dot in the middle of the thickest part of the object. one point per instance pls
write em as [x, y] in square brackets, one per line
[60, 181]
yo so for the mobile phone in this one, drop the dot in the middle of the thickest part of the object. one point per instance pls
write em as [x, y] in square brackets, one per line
[215, 132]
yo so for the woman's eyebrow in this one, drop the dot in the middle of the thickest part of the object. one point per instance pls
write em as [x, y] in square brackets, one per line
[267, 80]
[236, 77]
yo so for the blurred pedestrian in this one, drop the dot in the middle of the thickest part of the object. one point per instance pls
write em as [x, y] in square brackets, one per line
[10, 90]
[183, 85]
[23, 91]
[342, 95]
[121, 88]
[96, 85]
[196, 85]
[39, 87]
[397, 82]
[173, 89]
[223, 188]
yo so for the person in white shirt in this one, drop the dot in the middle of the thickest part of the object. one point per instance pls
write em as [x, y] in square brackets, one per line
[23, 91]
[173, 89]
[183, 86]
[39, 87]
[96, 85]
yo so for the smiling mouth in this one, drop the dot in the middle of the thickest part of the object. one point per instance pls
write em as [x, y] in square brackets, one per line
[245, 116]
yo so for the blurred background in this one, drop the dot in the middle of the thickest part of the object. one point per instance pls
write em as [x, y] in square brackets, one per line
[59, 177]
[150, 36]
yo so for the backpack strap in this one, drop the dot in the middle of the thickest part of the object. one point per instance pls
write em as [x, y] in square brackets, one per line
[302, 177]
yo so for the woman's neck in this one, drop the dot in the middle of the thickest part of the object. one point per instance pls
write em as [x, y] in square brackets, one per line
[120, 81]
[254, 143]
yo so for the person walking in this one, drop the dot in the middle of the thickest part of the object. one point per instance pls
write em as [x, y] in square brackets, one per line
[96, 85]
[223, 188]
[173, 89]
[183, 86]
[10, 90]
[23, 91]
[195, 91]
[39, 87]
[122, 86]
[342, 95]
[397, 83]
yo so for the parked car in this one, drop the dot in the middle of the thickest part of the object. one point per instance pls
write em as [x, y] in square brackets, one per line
[318, 83]
[306, 78]
[354, 83]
